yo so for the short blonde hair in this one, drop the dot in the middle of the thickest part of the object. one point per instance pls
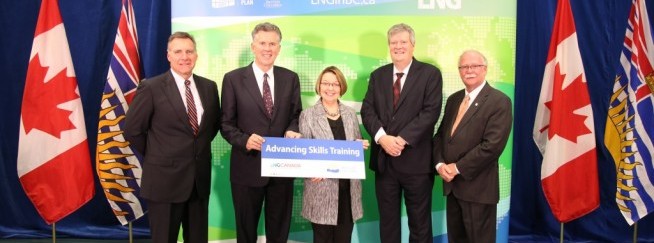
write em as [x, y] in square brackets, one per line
[339, 76]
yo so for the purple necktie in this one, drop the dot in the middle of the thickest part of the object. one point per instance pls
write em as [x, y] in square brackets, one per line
[267, 97]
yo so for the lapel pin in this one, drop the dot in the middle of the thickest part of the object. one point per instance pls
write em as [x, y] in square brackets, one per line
[476, 104]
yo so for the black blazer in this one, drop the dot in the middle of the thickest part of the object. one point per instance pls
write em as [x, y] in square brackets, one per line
[158, 128]
[417, 112]
[245, 114]
[476, 145]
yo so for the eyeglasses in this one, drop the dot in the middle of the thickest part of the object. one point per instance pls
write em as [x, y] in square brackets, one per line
[471, 67]
[333, 85]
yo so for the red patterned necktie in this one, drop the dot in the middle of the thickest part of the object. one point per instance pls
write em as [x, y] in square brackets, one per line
[267, 97]
[396, 89]
[191, 111]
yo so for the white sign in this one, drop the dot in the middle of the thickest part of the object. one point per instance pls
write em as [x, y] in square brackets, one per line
[312, 158]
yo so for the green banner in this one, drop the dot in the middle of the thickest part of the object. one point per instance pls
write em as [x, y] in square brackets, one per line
[350, 34]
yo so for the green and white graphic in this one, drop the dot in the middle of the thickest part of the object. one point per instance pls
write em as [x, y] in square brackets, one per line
[349, 34]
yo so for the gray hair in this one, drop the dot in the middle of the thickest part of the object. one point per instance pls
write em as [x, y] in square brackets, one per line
[266, 26]
[181, 35]
[401, 27]
[476, 52]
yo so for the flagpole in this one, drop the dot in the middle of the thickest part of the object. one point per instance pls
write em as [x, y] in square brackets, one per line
[130, 232]
[561, 234]
[635, 232]
[54, 235]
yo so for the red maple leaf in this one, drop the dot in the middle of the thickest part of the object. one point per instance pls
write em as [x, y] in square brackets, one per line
[40, 100]
[563, 121]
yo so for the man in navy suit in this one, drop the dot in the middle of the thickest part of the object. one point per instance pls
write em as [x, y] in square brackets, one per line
[469, 142]
[260, 100]
[171, 122]
[400, 110]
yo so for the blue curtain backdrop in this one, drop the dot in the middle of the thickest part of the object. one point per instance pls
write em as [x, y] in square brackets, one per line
[601, 29]
[91, 30]
[91, 27]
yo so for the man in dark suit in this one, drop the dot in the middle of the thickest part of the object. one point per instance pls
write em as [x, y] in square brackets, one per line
[470, 139]
[260, 100]
[400, 109]
[171, 122]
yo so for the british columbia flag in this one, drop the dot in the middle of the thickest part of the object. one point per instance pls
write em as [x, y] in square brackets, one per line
[630, 120]
[117, 164]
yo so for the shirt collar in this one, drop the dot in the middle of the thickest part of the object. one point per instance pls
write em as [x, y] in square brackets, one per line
[179, 79]
[475, 92]
[259, 73]
[405, 70]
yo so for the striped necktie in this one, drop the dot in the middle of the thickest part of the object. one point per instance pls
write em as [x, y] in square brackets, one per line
[190, 108]
[397, 89]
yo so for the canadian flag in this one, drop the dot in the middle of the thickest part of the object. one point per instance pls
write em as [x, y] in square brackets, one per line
[564, 128]
[54, 166]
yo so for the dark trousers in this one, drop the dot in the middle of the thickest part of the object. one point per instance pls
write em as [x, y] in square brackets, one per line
[165, 219]
[342, 231]
[470, 222]
[390, 186]
[276, 198]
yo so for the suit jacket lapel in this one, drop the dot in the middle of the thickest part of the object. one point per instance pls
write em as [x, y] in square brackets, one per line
[387, 88]
[203, 92]
[175, 98]
[409, 83]
[280, 83]
[452, 112]
[250, 83]
[349, 129]
[323, 124]
[474, 106]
